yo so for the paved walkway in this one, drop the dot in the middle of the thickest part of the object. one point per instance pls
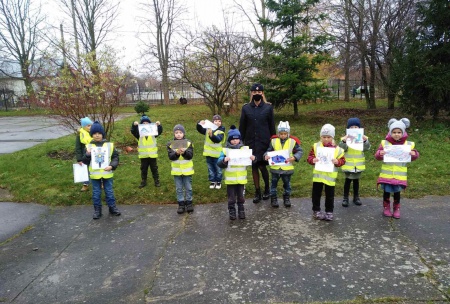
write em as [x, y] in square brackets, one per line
[151, 254]
[20, 132]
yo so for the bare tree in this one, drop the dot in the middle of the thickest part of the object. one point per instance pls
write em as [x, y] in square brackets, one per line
[217, 64]
[94, 21]
[162, 23]
[20, 36]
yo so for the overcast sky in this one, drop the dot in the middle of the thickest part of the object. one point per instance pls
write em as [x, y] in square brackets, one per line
[200, 13]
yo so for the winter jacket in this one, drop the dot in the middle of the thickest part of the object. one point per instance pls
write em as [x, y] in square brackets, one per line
[213, 144]
[256, 126]
[83, 138]
[394, 173]
[296, 152]
[114, 158]
[328, 178]
[355, 160]
[177, 160]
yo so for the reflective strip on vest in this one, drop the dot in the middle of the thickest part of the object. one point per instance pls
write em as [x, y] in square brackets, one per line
[328, 178]
[85, 137]
[398, 171]
[235, 175]
[147, 147]
[182, 166]
[276, 144]
[101, 173]
[354, 159]
[211, 148]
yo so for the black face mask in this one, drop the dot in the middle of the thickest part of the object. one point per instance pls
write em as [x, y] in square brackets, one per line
[257, 97]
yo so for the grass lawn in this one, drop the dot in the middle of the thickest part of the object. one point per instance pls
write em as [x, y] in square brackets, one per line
[43, 174]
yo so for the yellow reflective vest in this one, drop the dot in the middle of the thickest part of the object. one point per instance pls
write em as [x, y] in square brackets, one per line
[235, 175]
[182, 166]
[94, 171]
[85, 137]
[328, 178]
[147, 147]
[211, 148]
[276, 144]
[397, 171]
[354, 159]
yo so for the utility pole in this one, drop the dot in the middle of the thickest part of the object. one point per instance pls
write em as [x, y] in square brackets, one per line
[77, 47]
[63, 46]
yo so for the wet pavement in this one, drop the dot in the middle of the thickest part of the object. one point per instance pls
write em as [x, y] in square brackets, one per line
[151, 254]
[22, 132]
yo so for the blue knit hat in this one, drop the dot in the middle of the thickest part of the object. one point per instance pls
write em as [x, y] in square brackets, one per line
[354, 121]
[233, 133]
[85, 122]
[145, 118]
[97, 128]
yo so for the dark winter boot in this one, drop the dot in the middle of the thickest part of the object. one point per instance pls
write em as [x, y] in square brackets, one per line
[396, 213]
[189, 207]
[97, 212]
[286, 201]
[181, 207]
[157, 183]
[274, 202]
[241, 211]
[143, 183]
[232, 212]
[258, 196]
[357, 201]
[266, 194]
[387, 208]
[345, 201]
[114, 211]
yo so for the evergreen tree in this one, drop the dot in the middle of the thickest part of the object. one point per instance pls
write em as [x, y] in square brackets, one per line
[289, 65]
[426, 62]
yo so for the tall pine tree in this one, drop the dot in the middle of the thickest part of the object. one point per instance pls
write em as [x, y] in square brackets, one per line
[426, 62]
[288, 66]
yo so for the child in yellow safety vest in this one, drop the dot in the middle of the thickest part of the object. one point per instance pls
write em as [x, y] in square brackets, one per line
[148, 151]
[235, 176]
[83, 138]
[214, 139]
[281, 167]
[323, 178]
[102, 159]
[181, 152]
[393, 176]
[355, 163]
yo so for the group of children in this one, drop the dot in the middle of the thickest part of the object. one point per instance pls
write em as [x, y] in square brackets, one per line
[392, 179]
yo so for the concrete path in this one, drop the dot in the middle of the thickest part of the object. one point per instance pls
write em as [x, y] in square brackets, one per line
[151, 254]
[18, 133]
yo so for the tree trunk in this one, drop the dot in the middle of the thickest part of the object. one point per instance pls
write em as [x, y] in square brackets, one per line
[391, 100]
[296, 115]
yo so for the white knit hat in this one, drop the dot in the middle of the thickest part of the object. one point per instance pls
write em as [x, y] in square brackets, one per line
[327, 129]
[401, 124]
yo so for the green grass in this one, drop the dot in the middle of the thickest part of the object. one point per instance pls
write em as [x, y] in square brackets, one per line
[32, 176]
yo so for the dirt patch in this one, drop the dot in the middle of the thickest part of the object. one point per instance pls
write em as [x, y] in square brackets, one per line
[5, 195]
[63, 155]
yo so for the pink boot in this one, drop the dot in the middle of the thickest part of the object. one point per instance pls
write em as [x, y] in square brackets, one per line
[387, 208]
[396, 214]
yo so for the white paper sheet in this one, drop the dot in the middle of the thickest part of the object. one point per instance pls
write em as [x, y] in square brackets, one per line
[209, 125]
[80, 173]
[240, 157]
[325, 156]
[150, 129]
[278, 158]
[397, 154]
[99, 158]
[355, 139]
